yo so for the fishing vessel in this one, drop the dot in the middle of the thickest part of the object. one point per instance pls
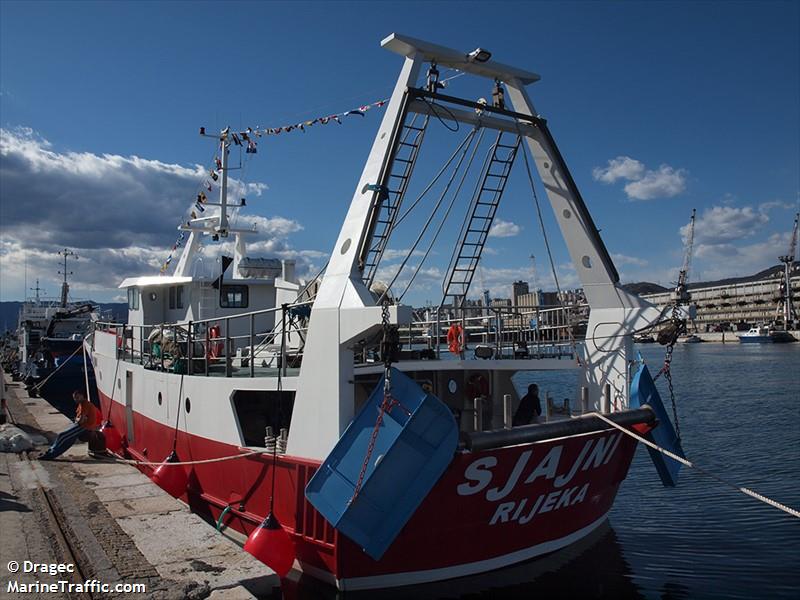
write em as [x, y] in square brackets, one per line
[50, 332]
[268, 404]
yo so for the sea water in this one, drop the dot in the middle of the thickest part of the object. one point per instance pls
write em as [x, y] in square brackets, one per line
[739, 414]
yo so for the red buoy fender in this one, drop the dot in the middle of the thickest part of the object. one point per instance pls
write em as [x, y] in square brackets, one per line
[270, 543]
[171, 479]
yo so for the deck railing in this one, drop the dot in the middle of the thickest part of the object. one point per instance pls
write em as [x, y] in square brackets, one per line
[231, 346]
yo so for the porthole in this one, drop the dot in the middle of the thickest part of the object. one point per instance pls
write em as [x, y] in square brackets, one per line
[547, 165]
[345, 246]
[566, 213]
[188, 405]
[159, 398]
[586, 262]
[119, 384]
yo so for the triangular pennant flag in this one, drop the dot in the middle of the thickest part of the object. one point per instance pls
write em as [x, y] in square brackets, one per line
[218, 162]
[214, 175]
[236, 139]
[354, 112]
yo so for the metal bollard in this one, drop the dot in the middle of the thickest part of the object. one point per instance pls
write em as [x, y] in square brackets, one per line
[477, 404]
[548, 407]
[605, 401]
[584, 399]
[507, 414]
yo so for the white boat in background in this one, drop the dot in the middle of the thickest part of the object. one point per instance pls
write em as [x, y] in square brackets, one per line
[763, 334]
[385, 471]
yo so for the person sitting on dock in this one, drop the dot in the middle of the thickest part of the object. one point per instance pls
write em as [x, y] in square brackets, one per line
[87, 420]
[530, 408]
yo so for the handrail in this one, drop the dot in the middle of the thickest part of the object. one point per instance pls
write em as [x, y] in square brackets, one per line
[237, 346]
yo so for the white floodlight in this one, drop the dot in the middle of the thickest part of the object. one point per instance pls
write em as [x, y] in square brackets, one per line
[479, 55]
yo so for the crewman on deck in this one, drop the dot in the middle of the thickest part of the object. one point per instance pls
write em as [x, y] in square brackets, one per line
[87, 420]
[530, 408]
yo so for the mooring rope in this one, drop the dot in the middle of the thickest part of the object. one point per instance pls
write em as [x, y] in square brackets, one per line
[145, 463]
[46, 379]
[761, 498]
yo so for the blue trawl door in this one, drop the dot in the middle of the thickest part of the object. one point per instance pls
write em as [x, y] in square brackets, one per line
[414, 445]
[643, 391]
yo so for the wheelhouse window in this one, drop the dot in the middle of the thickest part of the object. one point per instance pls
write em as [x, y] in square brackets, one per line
[176, 296]
[133, 298]
[233, 296]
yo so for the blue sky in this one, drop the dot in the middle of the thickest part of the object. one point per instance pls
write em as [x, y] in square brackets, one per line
[657, 107]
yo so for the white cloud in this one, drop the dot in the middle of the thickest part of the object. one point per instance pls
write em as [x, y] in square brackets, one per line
[399, 253]
[717, 261]
[643, 184]
[622, 259]
[119, 213]
[664, 183]
[720, 224]
[504, 229]
[622, 167]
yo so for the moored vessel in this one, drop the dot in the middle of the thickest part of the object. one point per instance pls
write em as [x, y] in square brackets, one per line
[386, 465]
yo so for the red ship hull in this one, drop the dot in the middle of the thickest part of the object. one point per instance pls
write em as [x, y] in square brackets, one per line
[490, 509]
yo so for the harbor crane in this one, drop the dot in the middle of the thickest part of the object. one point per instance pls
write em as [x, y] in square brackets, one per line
[785, 310]
[681, 295]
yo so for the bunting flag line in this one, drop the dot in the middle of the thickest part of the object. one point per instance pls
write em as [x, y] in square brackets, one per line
[246, 139]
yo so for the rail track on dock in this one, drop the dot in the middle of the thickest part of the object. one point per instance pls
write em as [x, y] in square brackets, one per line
[63, 547]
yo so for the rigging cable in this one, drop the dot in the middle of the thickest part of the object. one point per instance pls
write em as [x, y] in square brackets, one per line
[432, 182]
[546, 240]
[430, 107]
[470, 207]
[433, 213]
[446, 214]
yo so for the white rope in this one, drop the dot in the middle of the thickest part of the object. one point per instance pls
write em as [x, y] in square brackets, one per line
[46, 379]
[146, 463]
[787, 509]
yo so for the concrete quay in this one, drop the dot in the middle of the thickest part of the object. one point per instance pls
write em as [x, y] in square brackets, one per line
[112, 522]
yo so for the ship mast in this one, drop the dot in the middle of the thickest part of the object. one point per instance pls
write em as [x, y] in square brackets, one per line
[66, 253]
[217, 226]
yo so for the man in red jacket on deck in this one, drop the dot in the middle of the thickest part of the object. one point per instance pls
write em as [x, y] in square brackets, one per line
[87, 420]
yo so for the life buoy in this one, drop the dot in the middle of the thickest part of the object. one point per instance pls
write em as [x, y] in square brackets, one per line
[455, 338]
[214, 348]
